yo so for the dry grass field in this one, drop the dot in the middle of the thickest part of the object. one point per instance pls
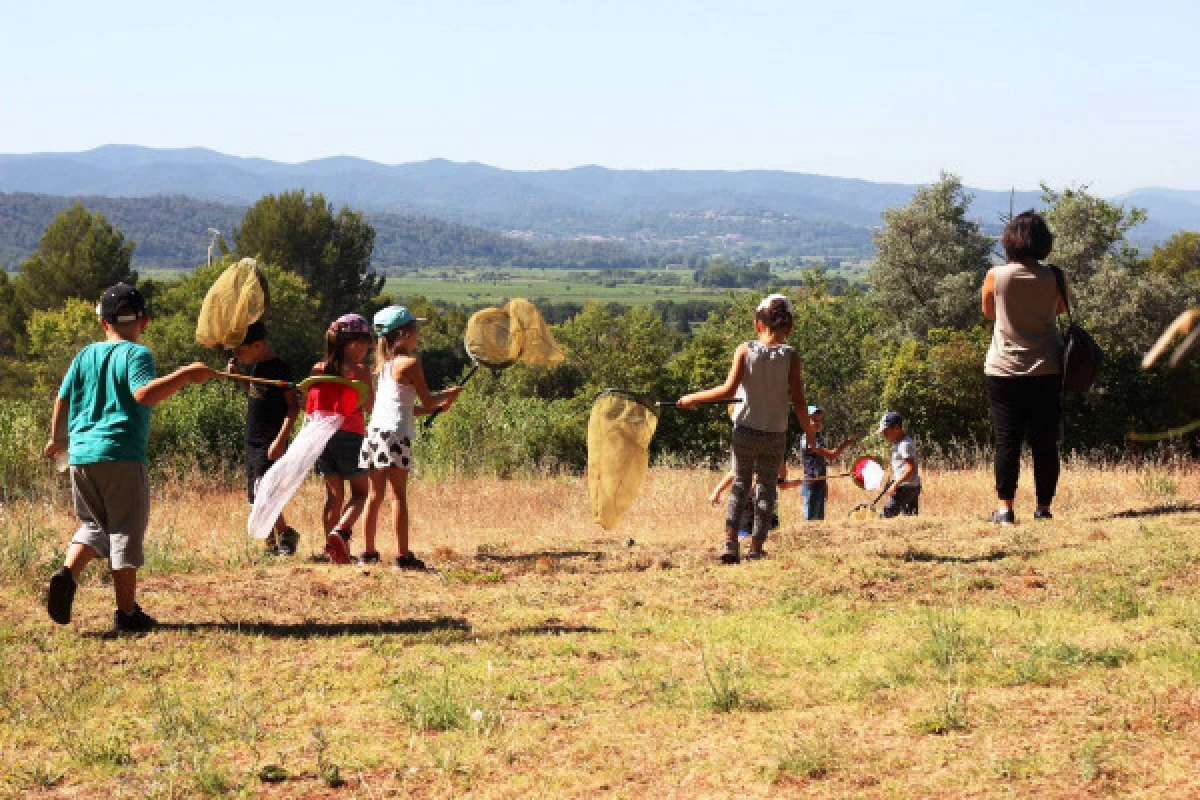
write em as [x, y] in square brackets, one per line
[544, 657]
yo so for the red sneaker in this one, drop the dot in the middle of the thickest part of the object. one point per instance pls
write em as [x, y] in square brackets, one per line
[336, 549]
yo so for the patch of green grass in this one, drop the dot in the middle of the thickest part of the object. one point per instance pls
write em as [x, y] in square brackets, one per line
[24, 553]
[948, 713]
[948, 648]
[1157, 484]
[726, 684]
[328, 771]
[33, 776]
[807, 759]
[1092, 758]
[1050, 663]
[801, 604]
[440, 703]
[1022, 766]
[110, 749]
[1121, 601]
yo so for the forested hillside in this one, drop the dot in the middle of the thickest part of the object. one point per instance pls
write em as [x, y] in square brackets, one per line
[171, 233]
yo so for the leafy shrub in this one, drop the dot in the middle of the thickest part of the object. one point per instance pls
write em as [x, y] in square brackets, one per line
[24, 427]
[199, 427]
[505, 435]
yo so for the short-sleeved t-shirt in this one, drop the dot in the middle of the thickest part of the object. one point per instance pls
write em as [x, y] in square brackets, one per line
[266, 406]
[104, 421]
[814, 463]
[904, 450]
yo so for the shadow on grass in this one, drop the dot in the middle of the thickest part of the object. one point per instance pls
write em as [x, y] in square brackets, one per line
[925, 556]
[1152, 511]
[328, 630]
[315, 630]
[593, 555]
[552, 629]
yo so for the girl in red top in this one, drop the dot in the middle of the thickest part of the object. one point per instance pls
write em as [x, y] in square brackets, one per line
[347, 343]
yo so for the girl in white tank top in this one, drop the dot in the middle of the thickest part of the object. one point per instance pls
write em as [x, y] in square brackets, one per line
[387, 449]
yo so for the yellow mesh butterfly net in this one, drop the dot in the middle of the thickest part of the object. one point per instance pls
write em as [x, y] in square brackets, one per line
[619, 433]
[236, 300]
[497, 337]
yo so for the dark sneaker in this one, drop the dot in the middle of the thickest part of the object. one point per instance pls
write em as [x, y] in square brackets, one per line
[730, 553]
[1003, 518]
[755, 555]
[289, 540]
[61, 596]
[368, 557]
[1043, 513]
[336, 547]
[409, 561]
[136, 621]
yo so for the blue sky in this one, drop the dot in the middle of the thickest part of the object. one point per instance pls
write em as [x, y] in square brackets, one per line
[1098, 93]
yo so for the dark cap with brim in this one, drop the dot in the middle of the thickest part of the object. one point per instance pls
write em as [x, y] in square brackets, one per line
[121, 303]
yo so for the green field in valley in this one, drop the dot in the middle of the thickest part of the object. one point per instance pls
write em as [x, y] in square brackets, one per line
[475, 287]
[481, 286]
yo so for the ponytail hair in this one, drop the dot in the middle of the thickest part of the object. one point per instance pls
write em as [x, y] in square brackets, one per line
[386, 344]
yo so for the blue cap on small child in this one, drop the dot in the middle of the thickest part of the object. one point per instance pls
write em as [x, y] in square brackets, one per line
[890, 420]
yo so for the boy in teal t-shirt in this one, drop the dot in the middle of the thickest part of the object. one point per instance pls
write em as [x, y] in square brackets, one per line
[102, 420]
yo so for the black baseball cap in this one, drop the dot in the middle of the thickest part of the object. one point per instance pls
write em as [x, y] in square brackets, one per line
[121, 303]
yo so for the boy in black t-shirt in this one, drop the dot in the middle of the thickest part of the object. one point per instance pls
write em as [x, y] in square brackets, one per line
[270, 414]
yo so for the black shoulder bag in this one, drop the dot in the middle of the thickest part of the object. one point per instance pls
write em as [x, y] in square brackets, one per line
[1082, 357]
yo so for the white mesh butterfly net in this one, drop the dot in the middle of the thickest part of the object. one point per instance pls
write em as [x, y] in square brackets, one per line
[283, 479]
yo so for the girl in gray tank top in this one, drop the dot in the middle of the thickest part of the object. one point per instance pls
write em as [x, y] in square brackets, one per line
[765, 376]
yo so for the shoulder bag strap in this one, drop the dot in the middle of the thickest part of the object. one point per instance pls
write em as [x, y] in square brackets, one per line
[1062, 290]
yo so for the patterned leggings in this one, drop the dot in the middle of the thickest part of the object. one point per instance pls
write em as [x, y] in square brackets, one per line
[756, 454]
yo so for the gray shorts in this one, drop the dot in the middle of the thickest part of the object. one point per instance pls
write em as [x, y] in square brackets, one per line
[112, 501]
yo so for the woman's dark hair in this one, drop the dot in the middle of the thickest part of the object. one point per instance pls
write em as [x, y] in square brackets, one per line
[776, 316]
[1027, 238]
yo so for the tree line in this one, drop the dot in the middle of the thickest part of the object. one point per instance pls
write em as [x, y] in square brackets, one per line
[913, 339]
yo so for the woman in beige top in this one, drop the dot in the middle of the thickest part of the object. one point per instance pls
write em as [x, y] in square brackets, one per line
[1023, 368]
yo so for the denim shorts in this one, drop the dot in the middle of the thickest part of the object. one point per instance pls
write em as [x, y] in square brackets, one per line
[340, 457]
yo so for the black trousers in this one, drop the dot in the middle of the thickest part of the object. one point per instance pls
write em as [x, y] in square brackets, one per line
[1027, 407]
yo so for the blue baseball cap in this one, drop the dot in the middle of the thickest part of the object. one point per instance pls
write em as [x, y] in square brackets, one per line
[393, 317]
[813, 410]
[890, 420]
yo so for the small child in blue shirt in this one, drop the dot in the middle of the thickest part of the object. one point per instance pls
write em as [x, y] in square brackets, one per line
[815, 457]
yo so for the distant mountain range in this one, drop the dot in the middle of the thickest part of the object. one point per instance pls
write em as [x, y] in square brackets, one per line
[769, 212]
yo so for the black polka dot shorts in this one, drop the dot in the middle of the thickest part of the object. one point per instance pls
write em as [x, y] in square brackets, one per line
[382, 449]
